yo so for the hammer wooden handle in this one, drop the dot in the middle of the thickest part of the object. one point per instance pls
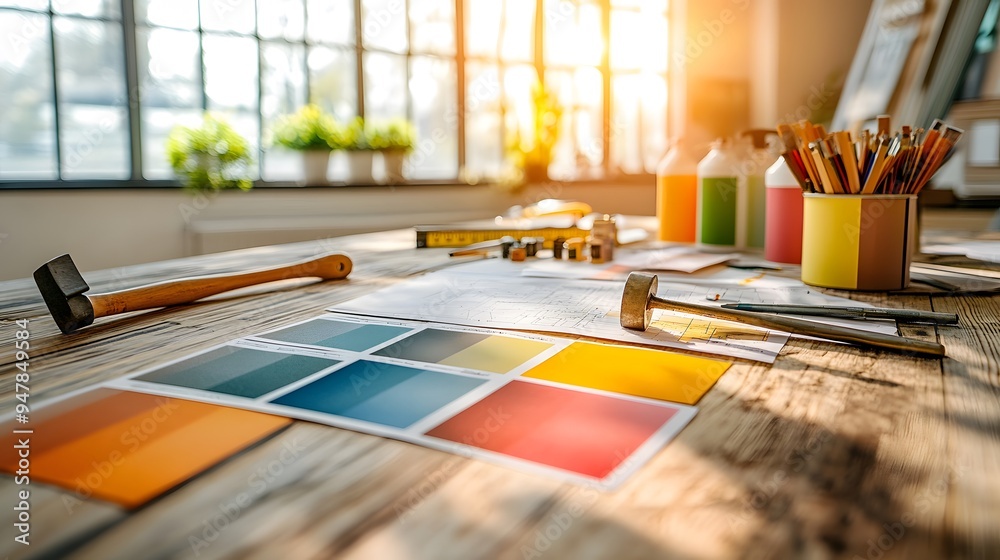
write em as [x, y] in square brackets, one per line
[809, 328]
[186, 290]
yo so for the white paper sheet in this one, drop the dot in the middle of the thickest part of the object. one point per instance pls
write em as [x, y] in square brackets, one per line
[678, 259]
[988, 251]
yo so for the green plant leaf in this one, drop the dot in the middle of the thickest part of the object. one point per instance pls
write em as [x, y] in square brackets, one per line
[210, 157]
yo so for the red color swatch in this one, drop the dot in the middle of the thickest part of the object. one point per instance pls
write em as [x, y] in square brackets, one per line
[579, 432]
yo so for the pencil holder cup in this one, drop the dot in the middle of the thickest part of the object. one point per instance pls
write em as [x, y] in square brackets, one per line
[858, 242]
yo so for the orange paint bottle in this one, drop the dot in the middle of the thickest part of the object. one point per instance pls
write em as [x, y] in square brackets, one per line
[677, 195]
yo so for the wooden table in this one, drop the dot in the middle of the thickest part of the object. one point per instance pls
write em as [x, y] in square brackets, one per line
[831, 452]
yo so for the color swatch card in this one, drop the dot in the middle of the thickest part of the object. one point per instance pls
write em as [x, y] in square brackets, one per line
[128, 447]
[581, 411]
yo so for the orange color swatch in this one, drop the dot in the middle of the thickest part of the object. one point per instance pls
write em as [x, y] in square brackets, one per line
[129, 447]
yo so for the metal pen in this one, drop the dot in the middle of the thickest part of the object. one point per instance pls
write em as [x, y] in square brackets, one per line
[901, 315]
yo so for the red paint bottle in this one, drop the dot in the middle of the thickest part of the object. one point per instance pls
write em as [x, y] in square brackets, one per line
[783, 225]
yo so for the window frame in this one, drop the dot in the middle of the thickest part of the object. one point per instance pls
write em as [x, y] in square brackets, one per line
[129, 28]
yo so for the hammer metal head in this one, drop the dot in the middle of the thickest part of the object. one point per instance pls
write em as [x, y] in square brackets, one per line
[639, 289]
[62, 287]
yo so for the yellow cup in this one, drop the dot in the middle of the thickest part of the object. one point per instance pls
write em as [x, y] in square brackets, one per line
[858, 242]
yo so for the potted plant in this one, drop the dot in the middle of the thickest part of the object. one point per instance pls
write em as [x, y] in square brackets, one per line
[310, 131]
[210, 157]
[393, 139]
[533, 153]
[354, 140]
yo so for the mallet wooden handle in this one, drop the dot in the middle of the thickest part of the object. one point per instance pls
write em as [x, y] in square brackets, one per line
[186, 290]
[808, 328]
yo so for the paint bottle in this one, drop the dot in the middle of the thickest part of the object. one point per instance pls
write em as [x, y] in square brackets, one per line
[721, 214]
[677, 194]
[754, 165]
[783, 239]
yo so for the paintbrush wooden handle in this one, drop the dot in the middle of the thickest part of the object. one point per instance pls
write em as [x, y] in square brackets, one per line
[807, 328]
[186, 290]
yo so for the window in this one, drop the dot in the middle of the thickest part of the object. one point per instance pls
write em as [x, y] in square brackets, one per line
[93, 87]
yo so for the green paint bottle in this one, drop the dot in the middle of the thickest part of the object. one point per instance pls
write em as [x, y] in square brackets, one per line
[722, 199]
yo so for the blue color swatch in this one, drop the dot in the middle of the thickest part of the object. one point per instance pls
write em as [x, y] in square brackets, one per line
[243, 372]
[337, 334]
[380, 393]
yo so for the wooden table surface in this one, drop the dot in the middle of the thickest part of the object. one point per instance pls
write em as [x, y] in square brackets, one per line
[831, 452]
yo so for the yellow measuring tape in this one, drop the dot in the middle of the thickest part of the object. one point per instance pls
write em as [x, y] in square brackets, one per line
[450, 236]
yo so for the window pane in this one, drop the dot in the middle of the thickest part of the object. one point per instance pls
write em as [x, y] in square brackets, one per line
[645, 5]
[384, 25]
[573, 33]
[331, 21]
[182, 14]
[579, 150]
[230, 72]
[281, 19]
[92, 114]
[434, 110]
[483, 125]
[433, 23]
[385, 86]
[519, 116]
[483, 23]
[284, 91]
[27, 130]
[169, 90]
[247, 124]
[638, 128]
[333, 81]
[30, 4]
[228, 15]
[110, 9]
[638, 41]
[519, 34]
[482, 29]
[654, 119]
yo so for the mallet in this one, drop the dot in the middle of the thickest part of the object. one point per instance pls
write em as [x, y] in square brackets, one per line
[639, 299]
[62, 286]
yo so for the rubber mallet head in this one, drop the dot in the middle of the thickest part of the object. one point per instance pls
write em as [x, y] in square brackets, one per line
[62, 287]
[636, 312]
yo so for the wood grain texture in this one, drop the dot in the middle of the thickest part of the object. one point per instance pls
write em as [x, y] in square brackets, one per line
[832, 452]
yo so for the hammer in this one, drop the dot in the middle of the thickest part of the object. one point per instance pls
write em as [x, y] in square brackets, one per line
[639, 299]
[62, 286]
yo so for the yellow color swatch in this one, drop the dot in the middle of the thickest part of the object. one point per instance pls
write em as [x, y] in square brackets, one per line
[654, 374]
[498, 354]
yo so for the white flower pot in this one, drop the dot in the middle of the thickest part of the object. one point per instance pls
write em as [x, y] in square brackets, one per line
[359, 166]
[315, 164]
[392, 163]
